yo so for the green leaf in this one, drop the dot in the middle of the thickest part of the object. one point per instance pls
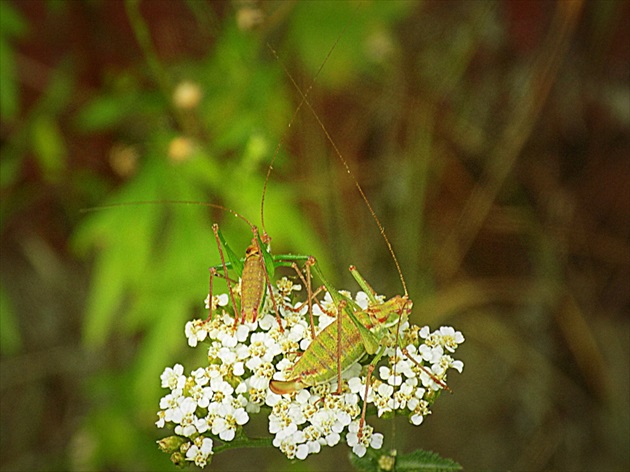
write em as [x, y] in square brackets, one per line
[49, 146]
[428, 461]
[105, 296]
[125, 238]
[103, 113]
[417, 461]
[164, 337]
[11, 25]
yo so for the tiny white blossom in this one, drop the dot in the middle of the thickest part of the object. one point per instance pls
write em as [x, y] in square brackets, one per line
[196, 332]
[362, 300]
[173, 378]
[200, 451]
[202, 395]
[451, 338]
[368, 438]
[356, 385]
[185, 418]
[161, 419]
[217, 300]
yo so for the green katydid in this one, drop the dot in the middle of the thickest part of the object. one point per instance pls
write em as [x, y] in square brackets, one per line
[357, 332]
[256, 271]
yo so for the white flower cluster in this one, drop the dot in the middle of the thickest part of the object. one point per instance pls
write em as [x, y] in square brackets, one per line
[215, 401]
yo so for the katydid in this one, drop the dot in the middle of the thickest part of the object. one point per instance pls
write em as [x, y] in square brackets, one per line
[357, 332]
[256, 270]
[338, 346]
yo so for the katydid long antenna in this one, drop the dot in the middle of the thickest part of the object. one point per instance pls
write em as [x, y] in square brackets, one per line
[343, 162]
[170, 202]
[295, 113]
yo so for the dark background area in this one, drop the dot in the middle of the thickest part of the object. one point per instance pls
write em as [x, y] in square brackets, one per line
[491, 138]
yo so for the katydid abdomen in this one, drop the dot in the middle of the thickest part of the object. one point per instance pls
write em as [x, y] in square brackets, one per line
[253, 284]
[320, 362]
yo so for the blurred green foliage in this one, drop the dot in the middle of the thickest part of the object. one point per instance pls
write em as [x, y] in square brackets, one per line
[12, 25]
[490, 137]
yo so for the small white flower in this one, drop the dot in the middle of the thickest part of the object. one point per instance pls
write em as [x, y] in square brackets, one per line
[161, 421]
[431, 355]
[416, 419]
[451, 338]
[392, 376]
[202, 395]
[226, 424]
[302, 451]
[199, 451]
[332, 439]
[201, 376]
[173, 378]
[221, 389]
[185, 418]
[362, 300]
[377, 441]
[368, 438]
[196, 332]
[217, 300]
[356, 385]
[204, 424]
[267, 322]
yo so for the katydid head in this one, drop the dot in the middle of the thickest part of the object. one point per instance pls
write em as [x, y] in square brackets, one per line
[394, 311]
[252, 250]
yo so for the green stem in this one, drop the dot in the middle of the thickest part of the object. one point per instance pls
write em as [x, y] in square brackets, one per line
[143, 36]
[248, 442]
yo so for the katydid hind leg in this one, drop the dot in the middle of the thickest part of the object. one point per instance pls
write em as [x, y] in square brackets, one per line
[368, 381]
[433, 377]
[340, 310]
[307, 280]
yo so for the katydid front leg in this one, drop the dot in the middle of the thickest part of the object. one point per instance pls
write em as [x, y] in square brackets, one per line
[219, 239]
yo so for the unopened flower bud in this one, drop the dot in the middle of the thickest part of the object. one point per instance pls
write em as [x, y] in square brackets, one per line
[171, 443]
[178, 459]
[387, 462]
